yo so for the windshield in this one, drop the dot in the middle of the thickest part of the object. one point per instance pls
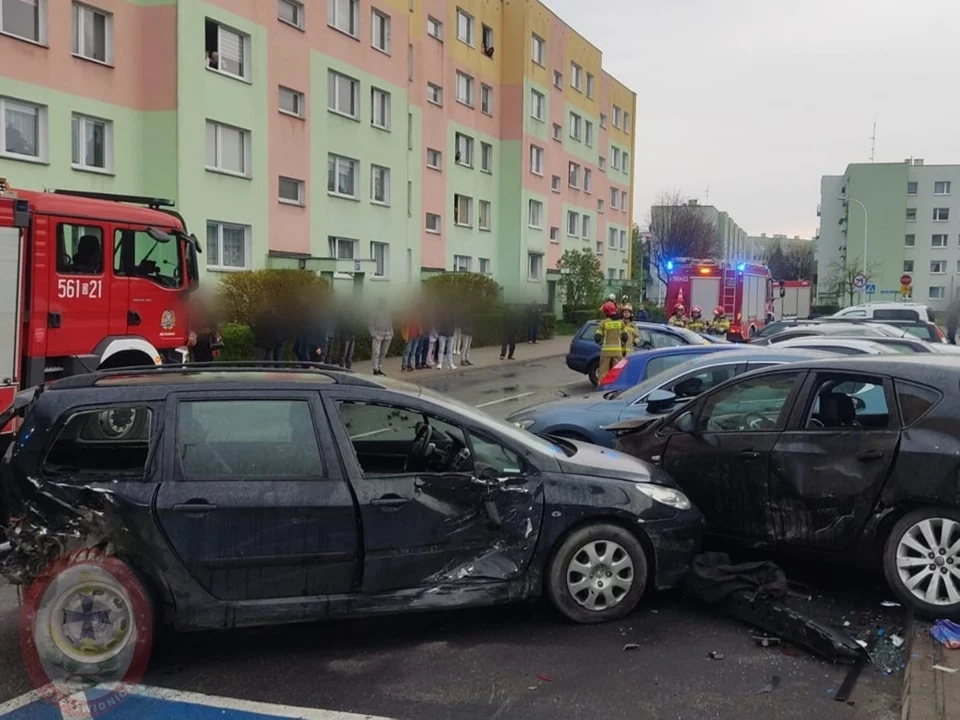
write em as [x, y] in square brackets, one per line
[691, 337]
[136, 254]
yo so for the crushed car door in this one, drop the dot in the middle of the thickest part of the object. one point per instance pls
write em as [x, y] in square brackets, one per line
[829, 466]
[251, 507]
[427, 518]
[722, 460]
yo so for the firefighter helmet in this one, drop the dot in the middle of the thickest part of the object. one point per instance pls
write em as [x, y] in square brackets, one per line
[695, 311]
[610, 310]
[718, 311]
[678, 308]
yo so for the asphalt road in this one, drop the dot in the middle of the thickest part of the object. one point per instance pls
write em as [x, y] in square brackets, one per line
[525, 662]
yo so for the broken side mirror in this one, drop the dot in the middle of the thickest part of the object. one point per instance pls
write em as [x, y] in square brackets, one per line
[660, 401]
[686, 424]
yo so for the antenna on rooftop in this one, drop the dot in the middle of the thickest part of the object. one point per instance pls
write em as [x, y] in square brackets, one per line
[873, 142]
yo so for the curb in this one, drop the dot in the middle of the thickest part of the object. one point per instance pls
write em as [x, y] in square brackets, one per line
[928, 694]
[461, 371]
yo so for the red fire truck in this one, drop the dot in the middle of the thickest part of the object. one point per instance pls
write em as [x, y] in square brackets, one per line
[745, 291]
[90, 281]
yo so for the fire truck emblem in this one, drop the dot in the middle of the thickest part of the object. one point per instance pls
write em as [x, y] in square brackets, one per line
[168, 320]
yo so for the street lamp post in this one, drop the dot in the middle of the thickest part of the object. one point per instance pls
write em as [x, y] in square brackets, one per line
[866, 220]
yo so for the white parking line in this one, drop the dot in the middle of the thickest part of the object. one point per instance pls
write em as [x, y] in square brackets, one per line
[506, 399]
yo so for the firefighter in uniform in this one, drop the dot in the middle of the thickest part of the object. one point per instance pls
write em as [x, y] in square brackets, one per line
[610, 302]
[677, 318]
[720, 325]
[633, 334]
[696, 323]
[612, 339]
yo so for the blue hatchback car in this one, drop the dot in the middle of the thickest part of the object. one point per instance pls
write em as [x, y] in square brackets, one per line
[584, 355]
[639, 366]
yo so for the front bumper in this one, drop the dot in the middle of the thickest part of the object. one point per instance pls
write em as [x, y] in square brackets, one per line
[675, 541]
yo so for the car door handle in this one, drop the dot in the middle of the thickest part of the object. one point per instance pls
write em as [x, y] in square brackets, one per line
[199, 507]
[748, 454]
[868, 455]
[390, 502]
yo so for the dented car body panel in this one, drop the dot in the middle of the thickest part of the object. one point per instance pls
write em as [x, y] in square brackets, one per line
[257, 498]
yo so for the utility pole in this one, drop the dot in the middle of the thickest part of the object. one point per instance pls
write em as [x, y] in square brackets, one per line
[873, 142]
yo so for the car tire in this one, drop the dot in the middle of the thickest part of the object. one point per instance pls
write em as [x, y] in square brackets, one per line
[604, 548]
[905, 548]
[592, 373]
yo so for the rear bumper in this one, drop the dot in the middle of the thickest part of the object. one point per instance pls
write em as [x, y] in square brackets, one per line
[675, 541]
[578, 363]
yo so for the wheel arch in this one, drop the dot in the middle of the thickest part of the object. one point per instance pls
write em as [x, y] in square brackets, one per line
[124, 351]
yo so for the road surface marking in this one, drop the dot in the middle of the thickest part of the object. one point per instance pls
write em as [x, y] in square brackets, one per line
[506, 399]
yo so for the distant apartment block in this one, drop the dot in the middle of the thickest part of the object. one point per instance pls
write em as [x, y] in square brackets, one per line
[731, 238]
[372, 142]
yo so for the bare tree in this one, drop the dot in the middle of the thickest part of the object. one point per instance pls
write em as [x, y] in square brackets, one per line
[841, 275]
[679, 229]
[800, 261]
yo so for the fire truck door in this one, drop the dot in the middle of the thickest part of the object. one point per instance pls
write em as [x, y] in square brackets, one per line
[78, 310]
[11, 248]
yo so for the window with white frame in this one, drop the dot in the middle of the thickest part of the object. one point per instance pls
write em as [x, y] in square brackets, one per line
[228, 149]
[599, 247]
[380, 108]
[26, 19]
[432, 223]
[434, 94]
[615, 158]
[535, 214]
[938, 267]
[937, 292]
[573, 175]
[588, 133]
[600, 206]
[941, 187]
[380, 254]
[536, 160]
[343, 176]
[590, 86]
[556, 183]
[464, 27]
[343, 94]
[464, 89]
[23, 130]
[612, 238]
[290, 12]
[621, 274]
[344, 15]
[538, 105]
[380, 31]
[291, 102]
[614, 198]
[558, 132]
[908, 266]
[909, 240]
[228, 50]
[939, 240]
[585, 226]
[486, 40]
[623, 240]
[228, 246]
[434, 28]
[912, 187]
[576, 76]
[486, 267]
[617, 116]
[538, 50]
[625, 161]
[484, 214]
[626, 122]
[573, 223]
[486, 157]
[91, 143]
[554, 234]
[290, 191]
[534, 266]
[603, 121]
[464, 144]
[486, 99]
[379, 184]
[911, 214]
[462, 263]
[434, 159]
[587, 180]
[558, 79]
[462, 210]
[623, 200]
[342, 248]
[576, 126]
[92, 32]
[941, 214]
[602, 163]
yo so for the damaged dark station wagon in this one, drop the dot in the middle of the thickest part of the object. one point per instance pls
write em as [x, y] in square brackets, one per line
[239, 497]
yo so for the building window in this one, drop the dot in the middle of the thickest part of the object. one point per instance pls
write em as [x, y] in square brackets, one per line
[343, 95]
[380, 108]
[342, 248]
[462, 263]
[434, 28]
[536, 160]
[558, 132]
[614, 198]
[626, 122]
[464, 150]
[537, 49]
[599, 250]
[615, 158]
[612, 238]
[535, 214]
[486, 40]
[228, 246]
[228, 149]
[908, 266]
[486, 157]
[588, 133]
[585, 226]
[379, 185]
[625, 161]
[534, 266]
[554, 234]
[290, 191]
[573, 223]
[602, 163]
[434, 94]
[941, 187]
[938, 241]
[433, 223]
[344, 15]
[343, 176]
[228, 50]
[486, 99]
[623, 240]
[617, 113]
[464, 27]
[576, 126]
[556, 183]
[434, 159]
[23, 130]
[590, 86]
[611, 274]
[464, 89]
[380, 254]
[937, 292]
[576, 77]
[92, 32]
[485, 266]
[911, 214]
[26, 19]
[938, 267]
[623, 200]
[537, 105]
[91, 144]
[484, 213]
[587, 180]
[909, 240]
[290, 12]
[462, 210]
[381, 31]
[941, 214]
[573, 175]
[603, 121]
[912, 187]
[558, 79]
[291, 102]
[600, 206]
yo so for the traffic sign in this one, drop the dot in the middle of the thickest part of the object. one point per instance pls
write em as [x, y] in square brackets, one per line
[859, 280]
[870, 288]
[906, 280]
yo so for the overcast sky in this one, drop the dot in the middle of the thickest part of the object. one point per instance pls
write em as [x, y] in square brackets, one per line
[756, 99]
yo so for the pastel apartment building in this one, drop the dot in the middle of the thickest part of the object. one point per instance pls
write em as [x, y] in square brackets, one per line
[370, 141]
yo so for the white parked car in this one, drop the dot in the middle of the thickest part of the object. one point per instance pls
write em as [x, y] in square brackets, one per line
[837, 346]
[887, 311]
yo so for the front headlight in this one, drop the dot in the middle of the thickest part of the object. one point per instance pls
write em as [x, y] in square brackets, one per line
[665, 495]
[524, 424]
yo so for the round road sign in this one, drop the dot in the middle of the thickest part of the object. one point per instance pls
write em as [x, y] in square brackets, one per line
[905, 280]
[859, 280]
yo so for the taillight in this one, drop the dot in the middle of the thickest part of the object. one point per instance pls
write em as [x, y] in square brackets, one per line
[613, 373]
[940, 334]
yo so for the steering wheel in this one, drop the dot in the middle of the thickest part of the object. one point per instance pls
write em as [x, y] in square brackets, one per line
[754, 421]
[418, 450]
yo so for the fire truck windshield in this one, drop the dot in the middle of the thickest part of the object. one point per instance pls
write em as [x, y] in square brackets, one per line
[151, 255]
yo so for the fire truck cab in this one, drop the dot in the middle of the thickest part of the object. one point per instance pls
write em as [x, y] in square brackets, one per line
[90, 281]
[744, 290]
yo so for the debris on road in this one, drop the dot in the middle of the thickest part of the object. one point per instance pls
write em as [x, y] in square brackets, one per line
[544, 677]
[771, 686]
[947, 633]
[896, 641]
[714, 655]
[889, 604]
[944, 668]
[631, 646]
[765, 641]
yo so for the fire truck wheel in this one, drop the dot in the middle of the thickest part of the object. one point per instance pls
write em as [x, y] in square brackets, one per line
[116, 424]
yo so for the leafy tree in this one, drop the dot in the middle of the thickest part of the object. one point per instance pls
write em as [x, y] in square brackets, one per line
[581, 277]
[679, 229]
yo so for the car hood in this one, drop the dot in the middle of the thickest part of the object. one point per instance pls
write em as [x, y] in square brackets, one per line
[597, 461]
[577, 403]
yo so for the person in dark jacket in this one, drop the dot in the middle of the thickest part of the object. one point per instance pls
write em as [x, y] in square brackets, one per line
[205, 342]
[533, 322]
[508, 343]
[267, 335]
[953, 321]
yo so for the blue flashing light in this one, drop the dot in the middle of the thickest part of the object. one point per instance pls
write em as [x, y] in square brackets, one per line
[669, 265]
[741, 267]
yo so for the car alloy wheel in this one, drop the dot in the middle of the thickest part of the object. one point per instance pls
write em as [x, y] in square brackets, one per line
[600, 575]
[928, 561]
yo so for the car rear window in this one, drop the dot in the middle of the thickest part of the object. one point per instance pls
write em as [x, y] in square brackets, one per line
[924, 332]
[587, 330]
[895, 314]
[915, 400]
[658, 365]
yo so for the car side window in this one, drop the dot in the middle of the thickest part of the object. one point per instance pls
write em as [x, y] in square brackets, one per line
[915, 400]
[892, 314]
[247, 440]
[496, 457]
[79, 249]
[661, 364]
[755, 404]
[697, 383]
[114, 440]
[848, 402]
[664, 340]
[791, 336]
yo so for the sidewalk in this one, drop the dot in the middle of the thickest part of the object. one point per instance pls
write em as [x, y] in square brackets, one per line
[480, 357]
[930, 694]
